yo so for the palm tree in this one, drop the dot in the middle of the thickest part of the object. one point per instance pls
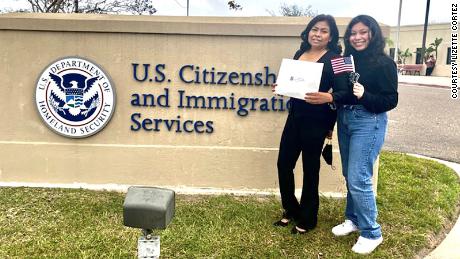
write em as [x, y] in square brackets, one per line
[434, 45]
[403, 55]
[428, 52]
[389, 42]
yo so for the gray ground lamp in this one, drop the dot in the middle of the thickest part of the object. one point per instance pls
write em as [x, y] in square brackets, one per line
[148, 208]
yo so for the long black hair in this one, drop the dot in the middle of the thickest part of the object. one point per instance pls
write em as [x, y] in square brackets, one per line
[377, 42]
[333, 45]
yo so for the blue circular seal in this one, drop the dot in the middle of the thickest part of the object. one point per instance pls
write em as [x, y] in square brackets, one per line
[75, 97]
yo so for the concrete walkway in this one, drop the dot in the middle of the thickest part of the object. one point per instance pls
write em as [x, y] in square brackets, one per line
[433, 81]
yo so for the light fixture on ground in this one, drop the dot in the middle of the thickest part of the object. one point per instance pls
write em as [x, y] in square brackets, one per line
[148, 208]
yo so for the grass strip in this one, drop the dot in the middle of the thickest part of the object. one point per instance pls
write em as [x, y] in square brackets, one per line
[417, 199]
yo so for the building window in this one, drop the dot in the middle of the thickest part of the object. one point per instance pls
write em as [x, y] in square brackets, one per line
[392, 53]
[418, 57]
[449, 58]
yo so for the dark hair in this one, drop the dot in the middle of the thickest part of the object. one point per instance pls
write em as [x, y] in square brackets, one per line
[377, 42]
[333, 32]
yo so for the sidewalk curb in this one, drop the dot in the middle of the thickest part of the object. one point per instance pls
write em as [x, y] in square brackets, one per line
[449, 247]
[182, 190]
[426, 85]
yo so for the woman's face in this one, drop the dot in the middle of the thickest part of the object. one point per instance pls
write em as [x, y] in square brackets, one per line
[360, 36]
[319, 35]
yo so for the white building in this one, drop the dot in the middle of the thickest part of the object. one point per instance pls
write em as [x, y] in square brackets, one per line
[410, 37]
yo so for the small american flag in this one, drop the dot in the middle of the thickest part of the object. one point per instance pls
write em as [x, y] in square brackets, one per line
[343, 64]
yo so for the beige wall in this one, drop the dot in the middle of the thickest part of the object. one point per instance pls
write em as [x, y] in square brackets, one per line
[410, 36]
[241, 152]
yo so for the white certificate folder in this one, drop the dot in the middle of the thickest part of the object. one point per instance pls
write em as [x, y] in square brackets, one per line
[296, 78]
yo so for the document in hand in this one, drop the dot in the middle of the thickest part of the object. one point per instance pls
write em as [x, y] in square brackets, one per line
[296, 78]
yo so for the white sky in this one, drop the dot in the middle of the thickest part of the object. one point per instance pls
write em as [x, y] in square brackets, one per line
[385, 11]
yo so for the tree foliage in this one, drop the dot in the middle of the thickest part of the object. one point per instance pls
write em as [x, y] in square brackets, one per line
[93, 6]
[233, 5]
[428, 52]
[403, 55]
[434, 45]
[389, 42]
[294, 10]
[98, 6]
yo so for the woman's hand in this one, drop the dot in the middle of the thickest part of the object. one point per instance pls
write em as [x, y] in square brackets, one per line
[358, 90]
[318, 98]
[274, 89]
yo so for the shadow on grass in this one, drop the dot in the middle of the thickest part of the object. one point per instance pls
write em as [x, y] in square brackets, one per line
[417, 199]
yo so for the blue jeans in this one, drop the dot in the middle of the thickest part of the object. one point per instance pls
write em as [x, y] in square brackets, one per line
[361, 134]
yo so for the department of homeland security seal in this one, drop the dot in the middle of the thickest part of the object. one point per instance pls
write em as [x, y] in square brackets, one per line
[75, 97]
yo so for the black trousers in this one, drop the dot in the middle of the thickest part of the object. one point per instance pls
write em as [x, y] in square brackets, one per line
[429, 71]
[304, 135]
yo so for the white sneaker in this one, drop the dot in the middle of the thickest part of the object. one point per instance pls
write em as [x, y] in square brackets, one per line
[366, 245]
[345, 228]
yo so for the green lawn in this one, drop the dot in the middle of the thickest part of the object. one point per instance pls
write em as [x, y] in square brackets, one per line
[417, 198]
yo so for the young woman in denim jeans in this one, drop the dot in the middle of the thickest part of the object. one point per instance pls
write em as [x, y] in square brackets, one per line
[361, 126]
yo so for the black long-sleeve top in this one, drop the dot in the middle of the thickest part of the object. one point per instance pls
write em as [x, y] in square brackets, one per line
[320, 112]
[379, 77]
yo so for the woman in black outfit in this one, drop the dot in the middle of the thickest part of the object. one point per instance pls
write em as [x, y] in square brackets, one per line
[307, 126]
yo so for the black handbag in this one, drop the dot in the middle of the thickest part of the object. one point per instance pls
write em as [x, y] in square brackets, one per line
[327, 153]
